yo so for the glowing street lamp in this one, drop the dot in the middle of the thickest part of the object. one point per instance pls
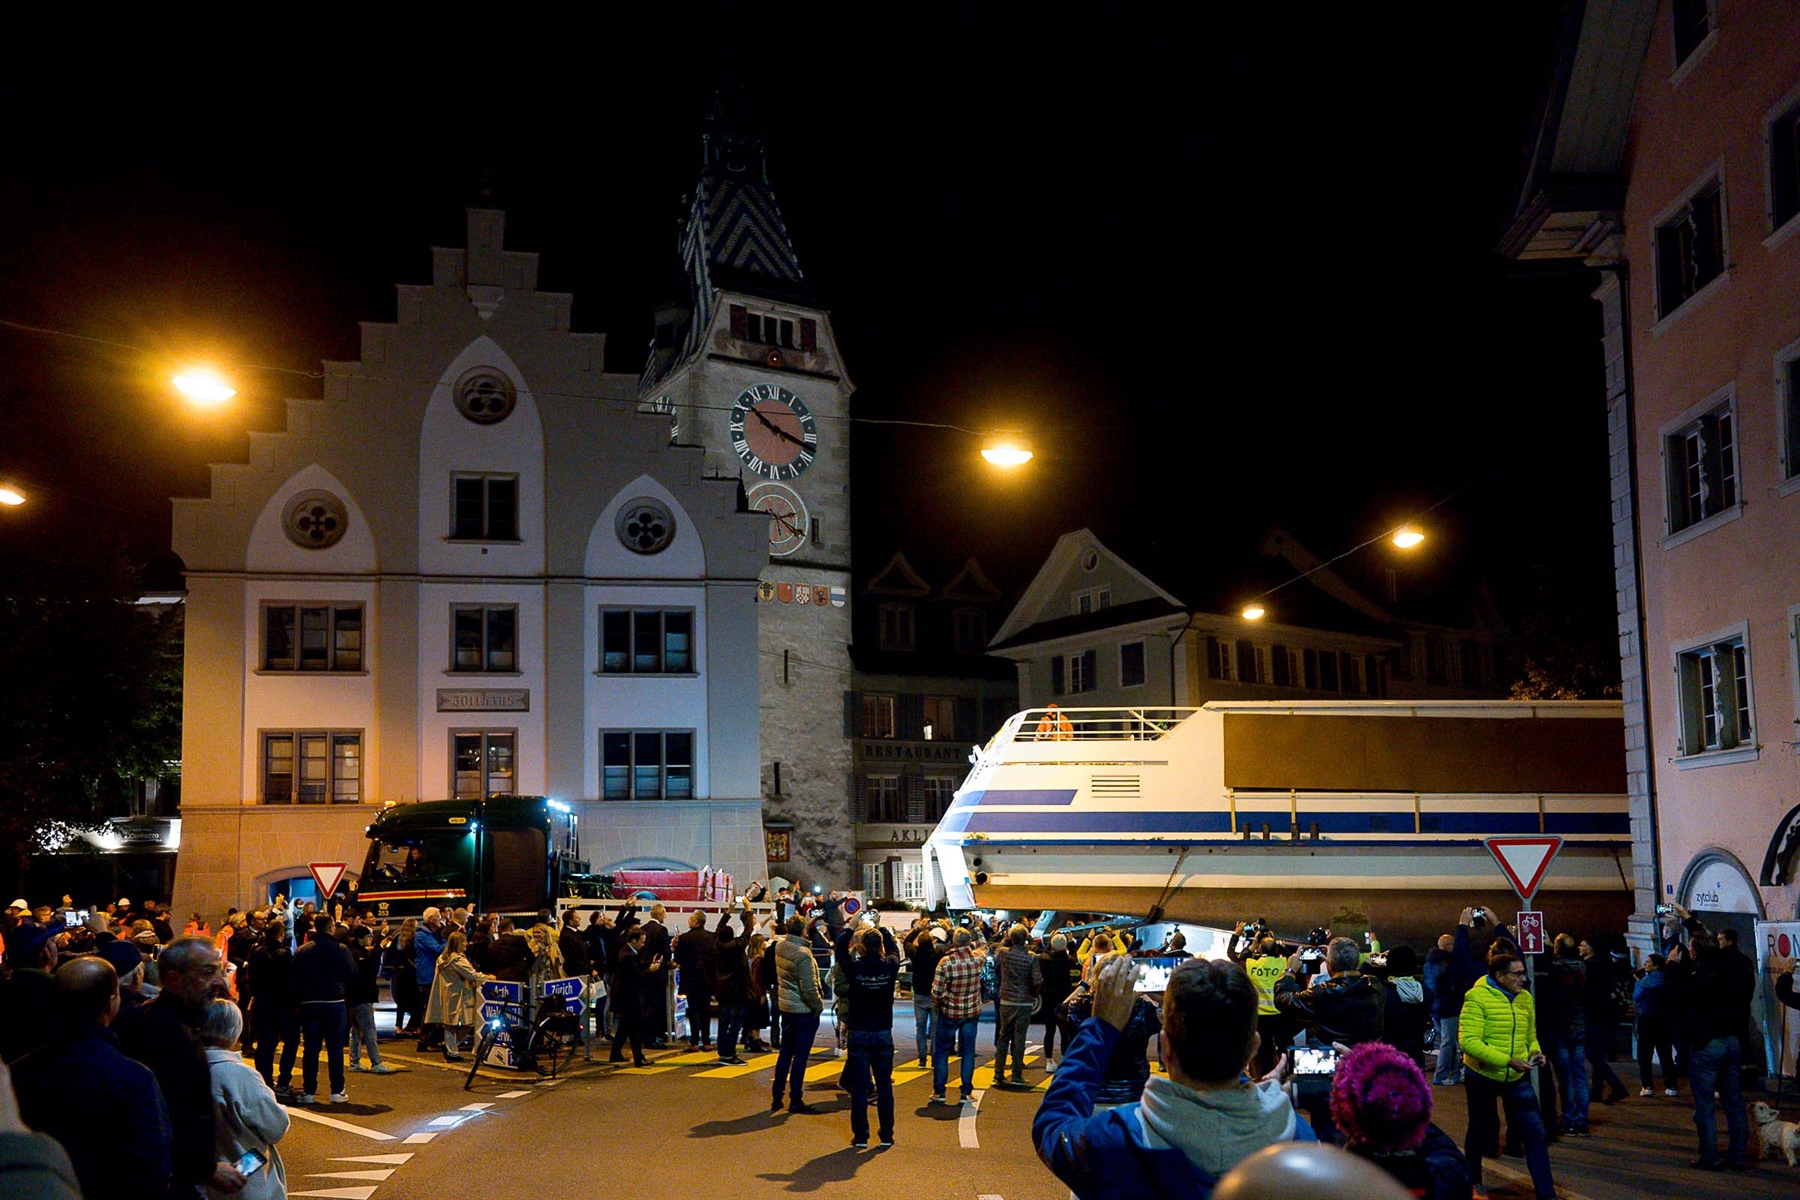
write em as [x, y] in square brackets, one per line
[1254, 611]
[204, 387]
[10, 495]
[1007, 450]
[1406, 537]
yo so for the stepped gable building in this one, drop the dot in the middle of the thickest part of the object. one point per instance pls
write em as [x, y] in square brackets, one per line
[471, 568]
[924, 694]
[1667, 161]
[746, 368]
[1093, 630]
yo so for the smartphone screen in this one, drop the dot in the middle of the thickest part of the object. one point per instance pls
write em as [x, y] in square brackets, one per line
[250, 1163]
[1315, 1060]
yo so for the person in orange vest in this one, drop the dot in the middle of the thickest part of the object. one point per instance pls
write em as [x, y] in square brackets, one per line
[1053, 726]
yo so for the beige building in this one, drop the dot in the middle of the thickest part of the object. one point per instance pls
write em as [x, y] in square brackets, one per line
[1666, 160]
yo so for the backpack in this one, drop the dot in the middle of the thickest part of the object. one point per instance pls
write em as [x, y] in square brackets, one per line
[990, 979]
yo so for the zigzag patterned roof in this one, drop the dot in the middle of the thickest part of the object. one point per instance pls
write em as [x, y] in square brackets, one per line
[734, 240]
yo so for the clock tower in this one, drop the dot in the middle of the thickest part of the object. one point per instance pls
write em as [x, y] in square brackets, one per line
[745, 365]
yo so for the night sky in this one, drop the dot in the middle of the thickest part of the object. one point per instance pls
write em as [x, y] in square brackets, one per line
[1230, 268]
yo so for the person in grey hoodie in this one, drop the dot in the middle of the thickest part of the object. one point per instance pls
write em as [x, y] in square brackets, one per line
[1191, 1126]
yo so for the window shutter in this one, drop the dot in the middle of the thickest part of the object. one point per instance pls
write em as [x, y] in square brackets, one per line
[859, 799]
[1056, 675]
[1311, 658]
[896, 879]
[1089, 660]
[915, 798]
[968, 717]
[910, 717]
[809, 334]
[1212, 658]
[994, 711]
[740, 322]
[1278, 665]
[852, 714]
[1246, 662]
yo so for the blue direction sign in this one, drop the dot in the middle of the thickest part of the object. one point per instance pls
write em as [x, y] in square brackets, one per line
[569, 990]
[496, 989]
[496, 1008]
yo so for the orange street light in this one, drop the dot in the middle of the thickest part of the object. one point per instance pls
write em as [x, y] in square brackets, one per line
[204, 387]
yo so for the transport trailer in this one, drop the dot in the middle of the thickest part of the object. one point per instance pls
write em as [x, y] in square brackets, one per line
[1291, 812]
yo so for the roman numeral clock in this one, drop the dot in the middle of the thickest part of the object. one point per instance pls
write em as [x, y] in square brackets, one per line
[774, 435]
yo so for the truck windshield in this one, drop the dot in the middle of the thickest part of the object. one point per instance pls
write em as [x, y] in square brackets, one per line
[418, 855]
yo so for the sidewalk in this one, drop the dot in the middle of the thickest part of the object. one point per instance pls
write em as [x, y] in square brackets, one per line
[1640, 1150]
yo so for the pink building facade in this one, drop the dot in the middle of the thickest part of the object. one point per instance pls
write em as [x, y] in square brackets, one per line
[1667, 161]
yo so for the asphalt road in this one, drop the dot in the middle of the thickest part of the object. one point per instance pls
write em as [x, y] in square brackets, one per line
[679, 1128]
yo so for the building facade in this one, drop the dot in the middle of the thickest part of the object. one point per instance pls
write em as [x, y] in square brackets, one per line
[924, 694]
[472, 567]
[1666, 161]
[1092, 630]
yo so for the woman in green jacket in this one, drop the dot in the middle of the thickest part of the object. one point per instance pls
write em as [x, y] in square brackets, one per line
[1498, 1032]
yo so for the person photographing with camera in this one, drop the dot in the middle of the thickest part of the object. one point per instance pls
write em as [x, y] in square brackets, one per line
[1498, 1030]
[1345, 1008]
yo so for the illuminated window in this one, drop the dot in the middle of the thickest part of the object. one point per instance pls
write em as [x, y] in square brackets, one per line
[483, 763]
[878, 720]
[940, 718]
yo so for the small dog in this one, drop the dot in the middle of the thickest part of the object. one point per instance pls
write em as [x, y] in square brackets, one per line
[1776, 1133]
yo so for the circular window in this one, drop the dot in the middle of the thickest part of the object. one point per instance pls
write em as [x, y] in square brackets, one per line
[485, 396]
[645, 525]
[315, 520]
[1090, 560]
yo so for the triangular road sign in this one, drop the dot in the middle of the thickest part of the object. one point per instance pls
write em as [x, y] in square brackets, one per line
[326, 875]
[1523, 860]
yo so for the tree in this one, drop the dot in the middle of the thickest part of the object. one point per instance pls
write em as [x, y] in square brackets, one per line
[93, 685]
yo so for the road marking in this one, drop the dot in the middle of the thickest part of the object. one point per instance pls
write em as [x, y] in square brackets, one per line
[452, 1120]
[419, 1139]
[965, 1124]
[334, 1123]
[390, 1159]
[750, 1067]
[692, 1058]
[549, 1082]
[823, 1070]
[908, 1074]
[350, 1193]
[482, 1107]
[513, 1095]
[627, 1071]
[370, 1176]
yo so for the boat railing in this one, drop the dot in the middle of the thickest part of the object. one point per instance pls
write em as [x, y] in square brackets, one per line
[1056, 724]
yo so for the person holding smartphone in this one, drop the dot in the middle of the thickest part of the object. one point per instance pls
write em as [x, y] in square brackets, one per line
[1498, 1029]
[248, 1120]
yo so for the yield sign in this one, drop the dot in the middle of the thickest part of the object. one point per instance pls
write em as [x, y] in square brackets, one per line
[326, 875]
[1523, 860]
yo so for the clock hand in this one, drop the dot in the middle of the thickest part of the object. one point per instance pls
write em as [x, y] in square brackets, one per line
[777, 430]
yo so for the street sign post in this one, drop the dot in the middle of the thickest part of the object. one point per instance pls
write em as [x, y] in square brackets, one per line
[570, 991]
[327, 876]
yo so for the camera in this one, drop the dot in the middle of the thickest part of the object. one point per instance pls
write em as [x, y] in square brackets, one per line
[1478, 916]
[1313, 1068]
[1665, 910]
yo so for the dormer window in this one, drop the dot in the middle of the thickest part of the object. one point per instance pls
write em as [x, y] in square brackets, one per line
[1091, 600]
[897, 627]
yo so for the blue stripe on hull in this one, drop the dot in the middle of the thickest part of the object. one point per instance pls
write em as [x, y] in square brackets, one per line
[1003, 796]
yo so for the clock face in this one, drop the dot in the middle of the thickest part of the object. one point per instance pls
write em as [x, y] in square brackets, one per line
[773, 432]
[786, 513]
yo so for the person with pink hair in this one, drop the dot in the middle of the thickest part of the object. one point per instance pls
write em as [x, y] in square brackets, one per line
[1381, 1102]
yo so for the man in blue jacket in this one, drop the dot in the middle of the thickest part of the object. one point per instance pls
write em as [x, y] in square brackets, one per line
[1190, 1128]
[428, 943]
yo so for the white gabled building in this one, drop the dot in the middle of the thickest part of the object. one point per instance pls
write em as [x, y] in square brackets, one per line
[472, 567]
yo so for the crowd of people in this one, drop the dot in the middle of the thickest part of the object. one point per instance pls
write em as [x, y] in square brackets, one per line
[152, 1055]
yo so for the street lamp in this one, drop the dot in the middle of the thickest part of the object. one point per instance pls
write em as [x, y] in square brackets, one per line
[204, 387]
[10, 495]
[1254, 611]
[1406, 537]
[1006, 449]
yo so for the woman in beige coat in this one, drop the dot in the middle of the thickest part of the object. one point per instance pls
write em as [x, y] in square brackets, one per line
[246, 1115]
[455, 994]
